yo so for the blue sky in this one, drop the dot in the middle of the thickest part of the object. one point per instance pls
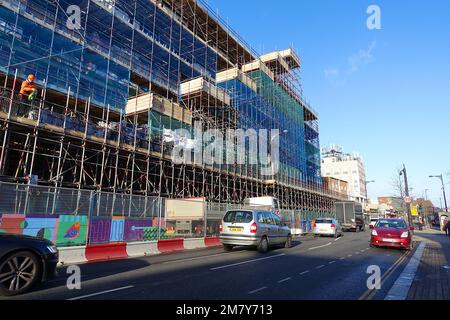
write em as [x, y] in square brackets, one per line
[383, 93]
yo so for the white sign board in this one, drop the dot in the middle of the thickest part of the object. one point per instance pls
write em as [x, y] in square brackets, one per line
[185, 209]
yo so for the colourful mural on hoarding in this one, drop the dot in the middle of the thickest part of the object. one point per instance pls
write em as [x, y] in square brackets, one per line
[73, 230]
[117, 229]
[64, 230]
[40, 226]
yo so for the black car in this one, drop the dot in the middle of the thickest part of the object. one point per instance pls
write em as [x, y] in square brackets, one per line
[24, 262]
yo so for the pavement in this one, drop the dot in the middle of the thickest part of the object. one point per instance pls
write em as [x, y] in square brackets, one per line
[313, 269]
[432, 279]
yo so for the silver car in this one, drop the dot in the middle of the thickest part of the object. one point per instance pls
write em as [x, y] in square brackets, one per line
[327, 227]
[253, 228]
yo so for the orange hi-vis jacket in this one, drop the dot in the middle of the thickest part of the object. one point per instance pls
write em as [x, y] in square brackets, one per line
[27, 87]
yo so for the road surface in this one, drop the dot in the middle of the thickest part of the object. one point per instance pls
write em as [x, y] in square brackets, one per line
[314, 268]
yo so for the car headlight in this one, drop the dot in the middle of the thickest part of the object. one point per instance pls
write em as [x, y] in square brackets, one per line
[52, 249]
[404, 235]
[374, 233]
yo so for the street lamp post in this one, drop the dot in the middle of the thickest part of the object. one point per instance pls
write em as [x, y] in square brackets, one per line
[443, 189]
[365, 188]
[408, 205]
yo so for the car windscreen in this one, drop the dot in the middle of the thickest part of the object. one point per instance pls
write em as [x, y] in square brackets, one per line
[238, 216]
[399, 224]
[320, 221]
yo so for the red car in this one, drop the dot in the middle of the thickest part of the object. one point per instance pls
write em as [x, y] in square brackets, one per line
[391, 233]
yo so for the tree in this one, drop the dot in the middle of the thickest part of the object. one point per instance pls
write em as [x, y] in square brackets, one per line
[398, 188]
[398, 185]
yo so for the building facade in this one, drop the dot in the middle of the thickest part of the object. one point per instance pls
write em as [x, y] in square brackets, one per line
[350, 168]
[116, 78]
[336, 185]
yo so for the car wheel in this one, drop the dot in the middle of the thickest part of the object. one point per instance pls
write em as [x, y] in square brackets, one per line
[335, 235]
[288, 242]
[263, 245]
[19, 272]
[228, 247]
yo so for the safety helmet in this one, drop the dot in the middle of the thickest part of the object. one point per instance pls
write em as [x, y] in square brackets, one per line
[31, 77]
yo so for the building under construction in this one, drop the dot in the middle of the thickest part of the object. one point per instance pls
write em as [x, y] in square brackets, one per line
[116, 78]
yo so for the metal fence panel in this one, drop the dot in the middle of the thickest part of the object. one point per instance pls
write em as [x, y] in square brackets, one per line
[78, 217]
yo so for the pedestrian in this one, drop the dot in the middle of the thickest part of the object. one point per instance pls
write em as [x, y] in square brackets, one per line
[447, 228]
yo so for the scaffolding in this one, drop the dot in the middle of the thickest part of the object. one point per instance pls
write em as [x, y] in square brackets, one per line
[113, 93]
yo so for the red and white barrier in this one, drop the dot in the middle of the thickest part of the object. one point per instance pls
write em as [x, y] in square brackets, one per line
[71, 255]
[139, 249]
[107, 251]
[123, 250]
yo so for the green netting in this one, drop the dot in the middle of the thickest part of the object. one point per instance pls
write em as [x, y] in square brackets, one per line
[158, 122]
[278, 97]
[312, 153]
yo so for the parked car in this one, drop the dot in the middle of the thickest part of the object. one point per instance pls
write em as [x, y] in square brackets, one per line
[391, 233]
[372, 222]
[253, 228]
[327, 227]
[24, 262]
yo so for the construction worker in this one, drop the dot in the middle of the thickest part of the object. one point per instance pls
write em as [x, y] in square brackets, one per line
[28, 88]
[28, 91]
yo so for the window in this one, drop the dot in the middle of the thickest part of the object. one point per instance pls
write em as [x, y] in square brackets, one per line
[276, 219]
[238, 216]
[269, 218]
[398, 224]
[320, 221]
[260, 217]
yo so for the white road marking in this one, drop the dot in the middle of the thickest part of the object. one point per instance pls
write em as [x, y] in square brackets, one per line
[244, 262]
[320, 267]
[400, 289]
[257, 290]
[201, 257]
[357, 252]
[337, 239]
[341, 258]
[284, 280]
[99, 293]
[304, 272]
[349, 255]
[331, 262]
[325, 245]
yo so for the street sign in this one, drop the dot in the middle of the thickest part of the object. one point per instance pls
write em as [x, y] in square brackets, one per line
[407, 199]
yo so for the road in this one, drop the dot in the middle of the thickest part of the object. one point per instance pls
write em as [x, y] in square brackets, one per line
[314, 268]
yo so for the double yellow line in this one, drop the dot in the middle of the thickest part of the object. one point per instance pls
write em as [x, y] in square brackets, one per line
[370, 293]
